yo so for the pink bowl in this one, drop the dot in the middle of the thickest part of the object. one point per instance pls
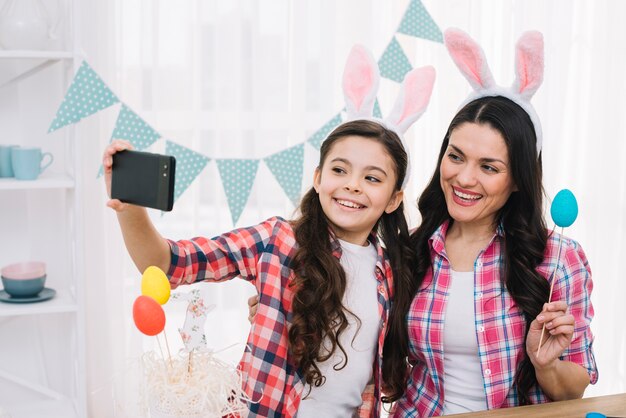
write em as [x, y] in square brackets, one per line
[24, 271]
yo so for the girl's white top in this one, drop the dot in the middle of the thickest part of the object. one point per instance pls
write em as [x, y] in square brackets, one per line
[463, 384]
[340, 395]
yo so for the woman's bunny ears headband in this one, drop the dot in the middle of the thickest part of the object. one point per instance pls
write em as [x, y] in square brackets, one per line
[360, 85]
[470, 59]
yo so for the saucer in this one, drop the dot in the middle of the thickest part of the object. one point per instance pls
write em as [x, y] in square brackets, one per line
[45, 294]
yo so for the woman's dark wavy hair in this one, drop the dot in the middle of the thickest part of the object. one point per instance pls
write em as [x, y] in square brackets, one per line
[525, 235]
[320, 281]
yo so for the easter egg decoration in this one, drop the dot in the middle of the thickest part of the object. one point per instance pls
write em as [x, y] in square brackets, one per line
[564, 211]
[154, 284]
[564, 208]
[148, 315]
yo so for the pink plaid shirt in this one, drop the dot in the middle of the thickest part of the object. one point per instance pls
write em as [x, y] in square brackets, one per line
[262, 255]
[500, 324]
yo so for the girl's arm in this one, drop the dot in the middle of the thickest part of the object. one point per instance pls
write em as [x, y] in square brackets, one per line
[143, 242]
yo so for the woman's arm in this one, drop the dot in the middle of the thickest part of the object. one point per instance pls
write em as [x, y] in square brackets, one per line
[559, 379]
[143, 242]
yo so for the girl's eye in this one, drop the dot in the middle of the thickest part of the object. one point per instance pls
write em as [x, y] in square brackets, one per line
[338, 170]
[372, 179]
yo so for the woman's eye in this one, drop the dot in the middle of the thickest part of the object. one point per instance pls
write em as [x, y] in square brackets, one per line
[454, 157]
[490, 168]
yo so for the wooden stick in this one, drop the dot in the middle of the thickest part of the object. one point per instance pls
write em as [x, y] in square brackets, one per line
[189, 368]
[558, 257]
[161, 350]
[168, 349]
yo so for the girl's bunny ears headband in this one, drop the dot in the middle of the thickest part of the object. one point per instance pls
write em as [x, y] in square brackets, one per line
[360, 85]
[470, 59]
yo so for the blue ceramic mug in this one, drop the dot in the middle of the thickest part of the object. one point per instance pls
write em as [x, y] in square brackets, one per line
[28, 162]
[6, 167]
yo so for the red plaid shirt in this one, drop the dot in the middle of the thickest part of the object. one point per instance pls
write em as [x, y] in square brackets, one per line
[500, 324]
[262, 255]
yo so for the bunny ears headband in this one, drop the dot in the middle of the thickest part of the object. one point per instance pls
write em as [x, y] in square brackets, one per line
[470, 59]
[360, 85]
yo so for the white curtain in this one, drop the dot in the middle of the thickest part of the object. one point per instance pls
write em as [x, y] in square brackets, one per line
[247, 78]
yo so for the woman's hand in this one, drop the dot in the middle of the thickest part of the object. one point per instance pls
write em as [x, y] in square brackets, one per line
[115, 146]
[253, 305]
[557, 336]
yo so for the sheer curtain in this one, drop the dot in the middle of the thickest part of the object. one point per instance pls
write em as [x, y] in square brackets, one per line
[248, 78]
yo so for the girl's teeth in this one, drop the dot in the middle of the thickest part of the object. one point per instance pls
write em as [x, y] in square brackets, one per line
[349, 204]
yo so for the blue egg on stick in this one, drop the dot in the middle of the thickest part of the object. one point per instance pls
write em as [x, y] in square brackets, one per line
[564, 209]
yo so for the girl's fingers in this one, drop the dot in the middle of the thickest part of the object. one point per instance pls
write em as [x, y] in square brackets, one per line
[117, 205]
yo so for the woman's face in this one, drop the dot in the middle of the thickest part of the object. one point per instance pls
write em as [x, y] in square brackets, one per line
[475, 175]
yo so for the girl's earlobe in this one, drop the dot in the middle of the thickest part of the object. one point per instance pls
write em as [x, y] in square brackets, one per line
[316, 179]
[395, 201]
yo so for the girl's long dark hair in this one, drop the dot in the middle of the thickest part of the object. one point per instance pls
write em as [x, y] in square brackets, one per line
[525, 235]
[320, 281]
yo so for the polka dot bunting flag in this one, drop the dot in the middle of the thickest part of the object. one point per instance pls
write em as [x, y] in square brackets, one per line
[131, 127]
[237, 178]
[188, 165]
[320, 135]
[417, 22]
[86, 95]
[287, 168]
[394, 64]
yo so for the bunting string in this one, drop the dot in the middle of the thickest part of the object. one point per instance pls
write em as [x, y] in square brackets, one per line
[88, 94]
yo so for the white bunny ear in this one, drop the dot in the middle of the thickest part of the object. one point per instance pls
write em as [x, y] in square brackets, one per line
[469, 57]
[413, 98]
[528, 64]
[360, 83]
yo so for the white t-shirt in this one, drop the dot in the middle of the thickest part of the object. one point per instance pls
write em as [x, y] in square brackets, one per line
[463, 383]
[340, 395]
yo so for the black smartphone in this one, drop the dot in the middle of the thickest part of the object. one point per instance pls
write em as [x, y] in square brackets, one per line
[144, 179]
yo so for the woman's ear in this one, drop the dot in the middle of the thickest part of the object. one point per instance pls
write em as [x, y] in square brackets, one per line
[395, 201]
[317, 179]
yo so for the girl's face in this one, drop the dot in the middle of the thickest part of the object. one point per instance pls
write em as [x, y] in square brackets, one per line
[475, 176]
[356, 185]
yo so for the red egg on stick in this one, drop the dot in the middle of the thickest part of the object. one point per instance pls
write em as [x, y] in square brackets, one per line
[148, 315]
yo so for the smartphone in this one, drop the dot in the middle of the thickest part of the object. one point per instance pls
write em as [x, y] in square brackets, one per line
[144, 179]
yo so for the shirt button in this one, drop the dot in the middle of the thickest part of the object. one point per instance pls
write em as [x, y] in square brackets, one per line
[488, 372]
[480, 294]
[381, 290]
[479, 263]
[481, 329]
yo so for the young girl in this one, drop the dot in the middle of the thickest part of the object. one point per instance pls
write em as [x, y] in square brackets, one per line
[325, 283]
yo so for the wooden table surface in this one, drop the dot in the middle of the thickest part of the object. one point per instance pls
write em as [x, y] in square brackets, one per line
[610, 405]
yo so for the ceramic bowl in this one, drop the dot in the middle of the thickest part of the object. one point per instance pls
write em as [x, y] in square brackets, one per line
[24, 270]
[23, 288]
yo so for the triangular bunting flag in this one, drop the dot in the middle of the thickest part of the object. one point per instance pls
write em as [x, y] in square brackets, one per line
[417, 22]
[287, 168]
[394, 64]
[318, 137]
[86, 95]
[131, 127]
[237, 178]
[377, 112]
[188, 165]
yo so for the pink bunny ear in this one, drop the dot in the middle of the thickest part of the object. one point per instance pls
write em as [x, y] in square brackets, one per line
[469, 57]
[528, 64]
[360, 83]
[413, 98]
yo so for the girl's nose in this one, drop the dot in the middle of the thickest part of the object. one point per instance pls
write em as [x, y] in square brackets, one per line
[352, 185]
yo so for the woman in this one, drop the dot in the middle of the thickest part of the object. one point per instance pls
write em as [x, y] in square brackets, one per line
[471, 324]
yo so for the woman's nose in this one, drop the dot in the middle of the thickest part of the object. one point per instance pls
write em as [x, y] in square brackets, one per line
[467, 175]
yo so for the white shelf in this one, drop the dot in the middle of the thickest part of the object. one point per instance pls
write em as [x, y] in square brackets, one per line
[62, 302]
[50, 55]
[45, 181]
[48, 408]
